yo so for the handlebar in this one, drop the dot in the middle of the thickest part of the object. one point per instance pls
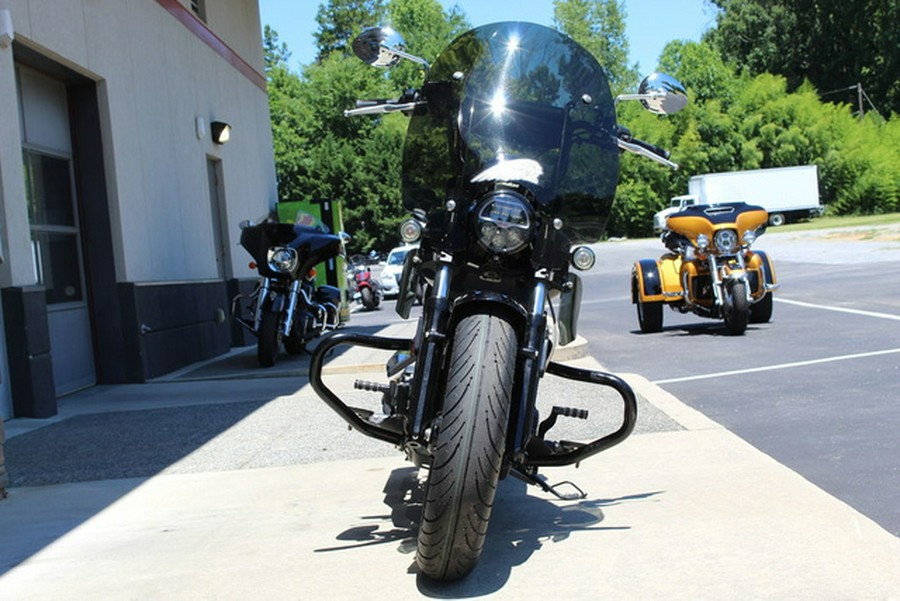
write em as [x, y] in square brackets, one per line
[407, 102]
[626, 141]
[662, 152]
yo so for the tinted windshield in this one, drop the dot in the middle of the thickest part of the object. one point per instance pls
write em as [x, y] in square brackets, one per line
[522, 103]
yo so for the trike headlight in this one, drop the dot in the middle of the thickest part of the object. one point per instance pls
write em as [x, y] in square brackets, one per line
[726, 240]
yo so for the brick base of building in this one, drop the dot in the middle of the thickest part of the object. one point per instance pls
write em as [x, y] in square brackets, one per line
[4, 478]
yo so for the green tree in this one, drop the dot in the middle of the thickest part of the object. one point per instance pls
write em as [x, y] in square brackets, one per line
[599, 26]
[832, 43]
[701, 68]
[320, 154]
[276, 55]
[427, 29]
[342, 20]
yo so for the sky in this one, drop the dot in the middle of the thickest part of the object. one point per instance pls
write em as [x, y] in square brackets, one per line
[650, 23]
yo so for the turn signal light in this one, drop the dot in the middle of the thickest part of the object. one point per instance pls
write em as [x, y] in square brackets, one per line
[583, 258]
[252, 264]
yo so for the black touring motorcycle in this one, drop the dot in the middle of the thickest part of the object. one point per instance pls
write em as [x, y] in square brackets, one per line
[510, 166]
[287, 307]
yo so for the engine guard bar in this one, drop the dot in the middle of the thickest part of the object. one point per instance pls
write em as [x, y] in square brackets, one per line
[583, 451]
[352, 415]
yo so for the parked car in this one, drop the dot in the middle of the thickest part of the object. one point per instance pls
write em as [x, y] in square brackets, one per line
[390, 275]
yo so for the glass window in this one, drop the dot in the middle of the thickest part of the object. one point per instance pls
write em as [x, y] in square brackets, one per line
[56, 266]
[199, 8]
[48, 188]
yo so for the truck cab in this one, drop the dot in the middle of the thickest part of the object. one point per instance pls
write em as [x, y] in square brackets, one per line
[677, 203]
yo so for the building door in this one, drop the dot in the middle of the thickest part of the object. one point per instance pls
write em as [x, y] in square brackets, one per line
[55, 229]
[220, 222]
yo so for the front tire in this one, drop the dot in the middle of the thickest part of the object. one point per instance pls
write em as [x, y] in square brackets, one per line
[463, 477]
[268, 339]
[737, 310]
[369, 300]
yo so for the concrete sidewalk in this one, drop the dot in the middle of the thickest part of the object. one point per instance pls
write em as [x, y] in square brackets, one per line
[252, 488]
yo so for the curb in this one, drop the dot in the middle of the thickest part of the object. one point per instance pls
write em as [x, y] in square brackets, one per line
[577, 349]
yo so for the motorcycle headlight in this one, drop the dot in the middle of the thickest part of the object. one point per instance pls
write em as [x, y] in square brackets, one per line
[410, 231]
[504, 222]
[726, 240]
[282, 259]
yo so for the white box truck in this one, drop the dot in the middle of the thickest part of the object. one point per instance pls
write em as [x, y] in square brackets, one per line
[786, 193]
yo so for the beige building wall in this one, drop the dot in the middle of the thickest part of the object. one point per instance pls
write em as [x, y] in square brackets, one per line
[156, 79]
[159, 73]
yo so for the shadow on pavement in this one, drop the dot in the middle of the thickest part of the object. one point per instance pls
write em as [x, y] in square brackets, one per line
[521, 525]
[121, 435]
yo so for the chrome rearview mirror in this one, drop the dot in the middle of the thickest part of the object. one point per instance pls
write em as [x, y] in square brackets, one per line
[660, 94]
[383, 47]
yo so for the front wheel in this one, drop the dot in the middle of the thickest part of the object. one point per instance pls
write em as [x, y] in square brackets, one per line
[463, 477]
[737, 310]
[268, 339]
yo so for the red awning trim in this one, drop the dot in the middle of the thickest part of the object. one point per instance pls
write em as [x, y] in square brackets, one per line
[199, 29]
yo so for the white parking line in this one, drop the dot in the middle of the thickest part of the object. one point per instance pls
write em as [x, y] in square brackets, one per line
[840, 309]
[737, 372]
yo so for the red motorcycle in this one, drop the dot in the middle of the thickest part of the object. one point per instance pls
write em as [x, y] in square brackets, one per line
[366, 288]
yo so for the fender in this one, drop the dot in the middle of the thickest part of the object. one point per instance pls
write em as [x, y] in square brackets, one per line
[649, 288]
[468, 300]
[767, 268]
[406, 296]
[569, 308]
[274, 303]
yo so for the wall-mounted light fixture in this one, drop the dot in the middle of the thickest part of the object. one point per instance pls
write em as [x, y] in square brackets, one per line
[221, 131]
[7, 35]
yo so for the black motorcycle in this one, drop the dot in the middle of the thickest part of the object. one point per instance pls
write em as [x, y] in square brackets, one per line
[509, 168]
[287, 306]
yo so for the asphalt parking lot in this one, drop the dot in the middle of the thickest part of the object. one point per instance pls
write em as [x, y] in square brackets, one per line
[201, 486]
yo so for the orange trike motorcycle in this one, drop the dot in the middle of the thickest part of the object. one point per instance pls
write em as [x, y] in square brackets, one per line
[710, 270]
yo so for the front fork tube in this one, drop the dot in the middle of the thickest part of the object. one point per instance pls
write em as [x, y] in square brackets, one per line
[532, 361]
[261, 294]
[291, 307]
[719, 278]
[427, 370]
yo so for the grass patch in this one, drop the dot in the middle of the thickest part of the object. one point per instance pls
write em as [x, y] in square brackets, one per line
[820, 223]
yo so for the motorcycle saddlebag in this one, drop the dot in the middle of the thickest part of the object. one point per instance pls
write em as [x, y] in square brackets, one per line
[327, 294]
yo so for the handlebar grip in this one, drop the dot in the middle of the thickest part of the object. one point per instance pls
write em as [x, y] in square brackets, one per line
[364, 103]
[651, 147]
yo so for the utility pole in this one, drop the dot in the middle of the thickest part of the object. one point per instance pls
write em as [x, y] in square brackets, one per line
[859, 96]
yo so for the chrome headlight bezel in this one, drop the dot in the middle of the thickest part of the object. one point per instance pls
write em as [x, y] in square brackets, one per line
[504, 222]
[702, 242]
[749, 237]
[582, 258]
[410, 231]
[726, 240]
[282, 259]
